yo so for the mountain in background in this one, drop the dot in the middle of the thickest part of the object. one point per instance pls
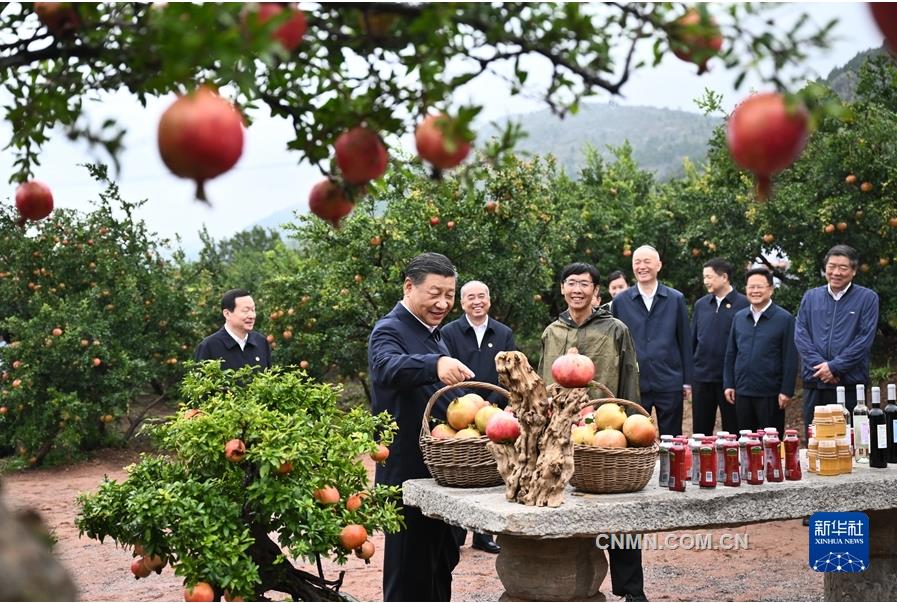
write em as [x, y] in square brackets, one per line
[661, 139]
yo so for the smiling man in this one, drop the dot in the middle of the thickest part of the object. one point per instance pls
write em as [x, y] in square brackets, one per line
[835, 329]
[604, 339]
[761, 360]
[408, 361]
[474, 339]
[236, 344]
[658, 320]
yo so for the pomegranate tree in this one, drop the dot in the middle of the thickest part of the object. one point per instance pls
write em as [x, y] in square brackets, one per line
[222, 526]
[766, 135]
[200, 137]
[441, 142]
[360, 155]
[34, 201]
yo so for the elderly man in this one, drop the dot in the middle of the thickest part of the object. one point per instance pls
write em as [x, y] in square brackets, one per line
[835, 329]
[236, 344]
[658, 321]
[474, 339]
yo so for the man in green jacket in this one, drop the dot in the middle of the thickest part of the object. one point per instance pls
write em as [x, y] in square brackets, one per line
[595, 334]
[606, 340]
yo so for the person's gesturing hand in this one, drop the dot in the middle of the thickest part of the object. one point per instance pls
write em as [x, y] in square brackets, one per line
[451, 370]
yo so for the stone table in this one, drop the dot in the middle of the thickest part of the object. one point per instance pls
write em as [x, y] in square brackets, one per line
[550, 554]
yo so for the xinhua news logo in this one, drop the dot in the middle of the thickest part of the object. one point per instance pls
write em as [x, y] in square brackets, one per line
[726, 541]
[839, 542]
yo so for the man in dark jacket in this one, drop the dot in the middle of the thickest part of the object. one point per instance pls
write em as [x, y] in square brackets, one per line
[604, 339]
[236, 344]
[408, 362]
[658, 321]
[834, 333]
[474, 339]
[761, 360]
[710, 324]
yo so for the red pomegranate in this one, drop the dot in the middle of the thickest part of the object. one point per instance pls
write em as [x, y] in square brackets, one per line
[360, 155]
[201, 137]
[60, 18]
[289, 34]
[573, 369]
[885, 15]
[695, 38]
[353, 536]
[439, 143]
[34, 201]
[328, 201]
[766, 136]
[203, 591]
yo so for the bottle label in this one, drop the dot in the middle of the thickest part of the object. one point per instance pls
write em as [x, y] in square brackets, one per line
[882, 439]
[894, 430]
[862, 425]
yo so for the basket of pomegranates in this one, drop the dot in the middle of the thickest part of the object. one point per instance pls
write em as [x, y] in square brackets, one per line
[455, 451]
[613, 451]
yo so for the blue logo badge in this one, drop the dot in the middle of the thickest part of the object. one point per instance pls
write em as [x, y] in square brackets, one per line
[839, 542]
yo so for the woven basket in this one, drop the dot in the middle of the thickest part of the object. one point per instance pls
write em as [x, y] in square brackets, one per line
[456, 463]
[613, 470]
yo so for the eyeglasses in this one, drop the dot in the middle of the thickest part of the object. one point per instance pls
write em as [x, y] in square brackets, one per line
[570, 283]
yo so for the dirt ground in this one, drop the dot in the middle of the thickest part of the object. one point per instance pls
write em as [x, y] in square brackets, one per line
[774, 566]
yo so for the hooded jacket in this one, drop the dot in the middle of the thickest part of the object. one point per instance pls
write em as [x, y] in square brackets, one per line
[602, 338]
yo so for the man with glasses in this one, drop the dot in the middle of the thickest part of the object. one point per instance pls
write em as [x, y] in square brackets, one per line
[835, 329]
[604, 339]
[760, 358]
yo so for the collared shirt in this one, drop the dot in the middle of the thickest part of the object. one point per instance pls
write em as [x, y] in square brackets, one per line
[240, 342]
[479, 330]
[429, 328]
[757, 314]
[837, 296]
[646, 297]
[721, 298]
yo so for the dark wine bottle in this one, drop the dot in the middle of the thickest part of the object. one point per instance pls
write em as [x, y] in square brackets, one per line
[878, 433]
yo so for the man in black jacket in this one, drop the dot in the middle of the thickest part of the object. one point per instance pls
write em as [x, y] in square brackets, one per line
[474, 339]
[236, 344]
[408, 362]
[710, 325]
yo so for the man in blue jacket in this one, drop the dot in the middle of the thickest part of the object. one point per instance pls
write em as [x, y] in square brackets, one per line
[236, 344]
[710, 324]
[835, 329]
[474, 339]
[408, 362]
[761, 360]
[658, 322]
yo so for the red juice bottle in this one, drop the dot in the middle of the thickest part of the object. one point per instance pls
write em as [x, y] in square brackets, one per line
[708, 463]
[771, 443]
[732, 463]
[792, 455]
[677, 465]
[755, 462]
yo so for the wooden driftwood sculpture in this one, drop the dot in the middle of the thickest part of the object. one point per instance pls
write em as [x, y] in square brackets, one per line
[537, 467]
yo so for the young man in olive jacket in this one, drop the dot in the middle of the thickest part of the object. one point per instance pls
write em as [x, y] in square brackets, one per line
[606, 340]
[474, 339]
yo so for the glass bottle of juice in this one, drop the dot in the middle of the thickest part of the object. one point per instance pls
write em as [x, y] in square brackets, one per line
[792, 455]
[861, 427]
[878, 433]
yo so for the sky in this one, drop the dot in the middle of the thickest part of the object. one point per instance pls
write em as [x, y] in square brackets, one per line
[268, 178]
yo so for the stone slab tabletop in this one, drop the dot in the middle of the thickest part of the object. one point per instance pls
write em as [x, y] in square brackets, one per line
[654, 509]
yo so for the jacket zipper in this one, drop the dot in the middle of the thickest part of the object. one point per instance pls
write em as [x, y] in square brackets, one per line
[832, 326]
